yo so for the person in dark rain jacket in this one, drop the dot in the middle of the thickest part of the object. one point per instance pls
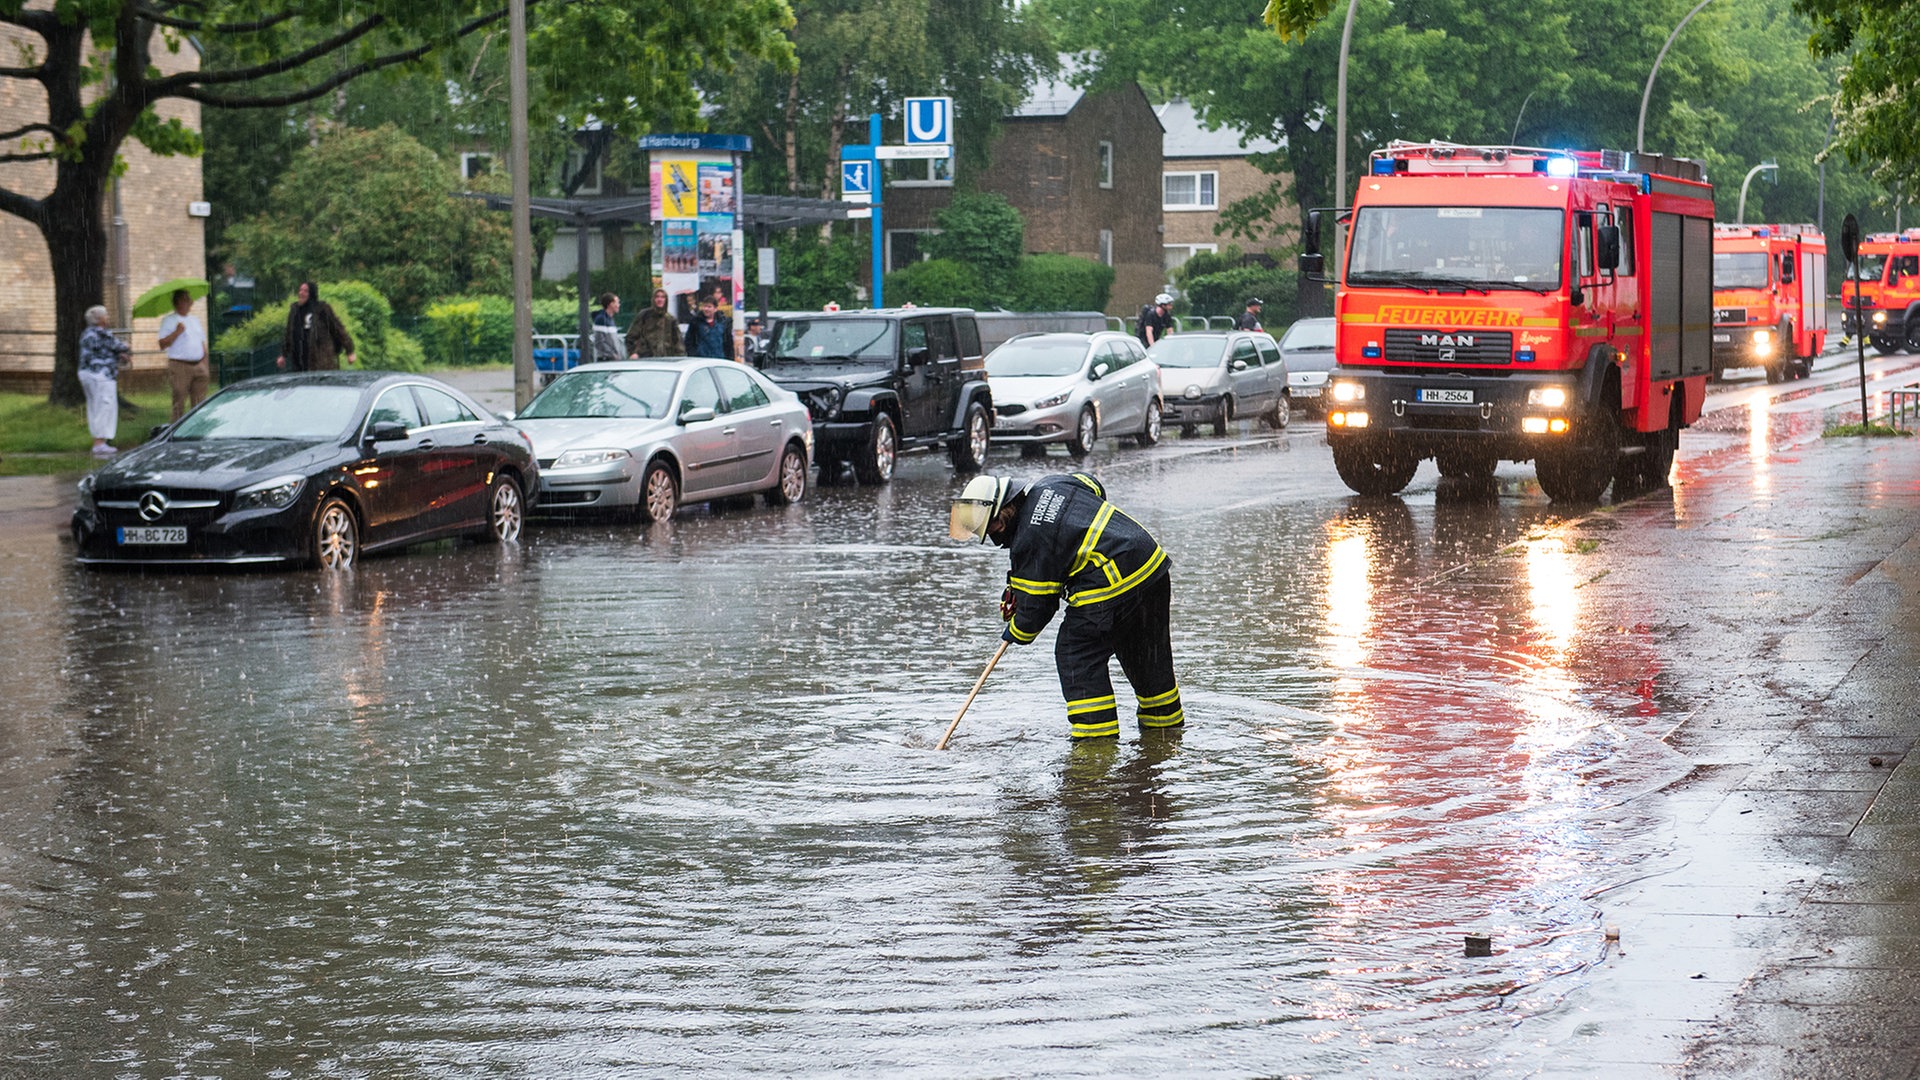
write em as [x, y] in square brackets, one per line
[1068, 543]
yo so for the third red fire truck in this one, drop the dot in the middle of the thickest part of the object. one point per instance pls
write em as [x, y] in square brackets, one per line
[1769, 298]
[1518, 303]
[1887, 300]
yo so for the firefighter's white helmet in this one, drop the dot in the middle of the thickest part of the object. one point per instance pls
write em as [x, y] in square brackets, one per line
[975, 506]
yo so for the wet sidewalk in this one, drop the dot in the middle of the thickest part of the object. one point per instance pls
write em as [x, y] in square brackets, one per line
[1779, 933]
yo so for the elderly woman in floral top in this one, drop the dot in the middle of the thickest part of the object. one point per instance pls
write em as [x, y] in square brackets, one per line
[101, 355]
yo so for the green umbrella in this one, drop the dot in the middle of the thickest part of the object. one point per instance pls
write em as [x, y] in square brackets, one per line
[159, 299]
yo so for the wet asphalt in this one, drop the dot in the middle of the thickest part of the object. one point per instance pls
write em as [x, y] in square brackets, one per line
[1751, 638]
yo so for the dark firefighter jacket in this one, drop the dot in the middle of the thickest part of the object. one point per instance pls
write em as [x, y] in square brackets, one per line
[1070, 543]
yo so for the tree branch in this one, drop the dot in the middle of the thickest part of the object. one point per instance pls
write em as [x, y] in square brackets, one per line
[338, 79]
[19, 131]
[176, 84]
[33, 73]
[42, 21]
[197, 26]
[7, 159]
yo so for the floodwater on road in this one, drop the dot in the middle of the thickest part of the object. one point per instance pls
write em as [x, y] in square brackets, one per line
[627, 799]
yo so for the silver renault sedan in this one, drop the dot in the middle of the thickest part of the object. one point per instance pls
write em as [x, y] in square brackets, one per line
[647, 436]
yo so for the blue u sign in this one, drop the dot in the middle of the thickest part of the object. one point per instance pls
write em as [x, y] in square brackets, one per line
[929, 121]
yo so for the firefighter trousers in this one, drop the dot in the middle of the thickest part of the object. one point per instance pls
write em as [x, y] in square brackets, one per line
[1136, 627]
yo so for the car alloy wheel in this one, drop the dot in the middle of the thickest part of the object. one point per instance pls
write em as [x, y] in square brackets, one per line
[1150, 434]
[875, 463]
[659, 492]
[506, 513]
[1085, 431]
[336, 536]
[793, 478]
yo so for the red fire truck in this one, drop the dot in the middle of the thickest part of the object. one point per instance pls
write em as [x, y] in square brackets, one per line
[1516, 303]
[1769, 299]
[1887, 300]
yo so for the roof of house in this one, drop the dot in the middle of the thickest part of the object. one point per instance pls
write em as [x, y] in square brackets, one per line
[1055, 97]
[1187, 138]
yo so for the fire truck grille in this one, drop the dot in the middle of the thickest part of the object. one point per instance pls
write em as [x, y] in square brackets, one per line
[1736, 316]
[1450, 346]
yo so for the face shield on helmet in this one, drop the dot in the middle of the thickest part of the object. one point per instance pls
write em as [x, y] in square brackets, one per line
[975, 507]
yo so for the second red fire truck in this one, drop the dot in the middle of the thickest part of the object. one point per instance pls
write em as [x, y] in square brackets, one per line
[1886, 302]
[1769, 299]
[1514, 303]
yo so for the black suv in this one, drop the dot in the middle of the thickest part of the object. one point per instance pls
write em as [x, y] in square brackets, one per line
[881, 382]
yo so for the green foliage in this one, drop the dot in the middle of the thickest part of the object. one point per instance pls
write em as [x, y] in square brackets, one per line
[41, 439]
[813, 272]
[983, 230]
[1870, 431]
[403, 353]
[1879, 113]
[1059, 283]
[370, 310]
[362, 310]
[629, 279]
[462, 331]
[938, 283]
[1221, 284]
[377, 206]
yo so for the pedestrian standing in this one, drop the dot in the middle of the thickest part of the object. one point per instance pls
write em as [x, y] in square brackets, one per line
[101, 357]
[606, 333]
[1250, 318]
[655, 332]
[708, 335]
[1156, 320]
[185, 341]
[1067, 542]
[755, 344]
[314, 338]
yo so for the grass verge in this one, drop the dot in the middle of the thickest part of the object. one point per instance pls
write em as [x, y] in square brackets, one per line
[39, 439]
[1871, 431]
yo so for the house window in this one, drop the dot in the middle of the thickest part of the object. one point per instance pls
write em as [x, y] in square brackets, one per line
[1189, 191]
[475, 165]
[922, 172]
[903, 247]
[576, 160]
[1106, 247]
[1177, 254]
[1106, 164]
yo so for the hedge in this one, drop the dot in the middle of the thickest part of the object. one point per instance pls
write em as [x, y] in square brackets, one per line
[464, 331]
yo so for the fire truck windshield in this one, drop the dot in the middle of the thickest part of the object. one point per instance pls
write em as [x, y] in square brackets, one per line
[1739, 269]
[1872, 265]
[1439, 247]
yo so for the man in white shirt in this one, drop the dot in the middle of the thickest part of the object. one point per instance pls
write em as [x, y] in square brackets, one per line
[186, 345]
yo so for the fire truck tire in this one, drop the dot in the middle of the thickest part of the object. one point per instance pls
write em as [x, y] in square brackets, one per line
[1885, 344]
[1372, 469]
[1580, 472]
[1913, 333]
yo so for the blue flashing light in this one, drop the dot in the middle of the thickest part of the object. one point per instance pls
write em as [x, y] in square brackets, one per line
[1524, 356]
[1382, 166]
[1371, 352]
[1562, 167]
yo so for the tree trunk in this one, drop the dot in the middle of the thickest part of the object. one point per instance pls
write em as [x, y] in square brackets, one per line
[76, 233]
[792, 147]
[837, 133]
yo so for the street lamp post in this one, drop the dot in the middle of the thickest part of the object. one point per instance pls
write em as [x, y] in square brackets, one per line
[1640, 133]
[1741, 217]
[1340, 111]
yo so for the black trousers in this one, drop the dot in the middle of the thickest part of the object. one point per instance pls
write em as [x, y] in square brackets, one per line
[1136, 627]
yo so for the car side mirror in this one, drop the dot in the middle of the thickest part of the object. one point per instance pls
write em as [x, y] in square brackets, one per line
[697, 415]
[1239, 365]
[917, 357]
[1099, 372]
[386, 431]
[156, 431]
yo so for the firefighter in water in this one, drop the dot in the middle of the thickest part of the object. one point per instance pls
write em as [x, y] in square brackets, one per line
[1069, 543]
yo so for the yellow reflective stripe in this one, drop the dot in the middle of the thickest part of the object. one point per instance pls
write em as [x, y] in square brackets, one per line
[1160, 699]
[1096, 731]
[1091, 483]
[1087, 705]
[1034, 588]
[1173, 719]
[1092, 538]
[1094, 596]
[1019, 635]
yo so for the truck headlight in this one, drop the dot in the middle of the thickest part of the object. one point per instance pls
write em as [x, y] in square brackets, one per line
[274, 494]
[1548, 397]
[1879, 318]
[1762, 337]
[1344, 392]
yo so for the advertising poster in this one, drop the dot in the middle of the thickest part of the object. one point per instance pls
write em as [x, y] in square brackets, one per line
[680, 247]
[696, 205]
[678, 191]
[716, 189]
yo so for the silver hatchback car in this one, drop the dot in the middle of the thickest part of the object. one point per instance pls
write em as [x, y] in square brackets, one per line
[1307, 348]
[1073, 388]
[1211, 376]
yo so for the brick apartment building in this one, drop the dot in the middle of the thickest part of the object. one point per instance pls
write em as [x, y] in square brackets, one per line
[163, 239]
[1204, 172]
[1082, 168]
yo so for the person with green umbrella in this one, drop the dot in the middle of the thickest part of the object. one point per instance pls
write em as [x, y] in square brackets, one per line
[186, 344]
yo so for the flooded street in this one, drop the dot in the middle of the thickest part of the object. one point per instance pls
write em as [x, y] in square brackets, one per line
[623, 799]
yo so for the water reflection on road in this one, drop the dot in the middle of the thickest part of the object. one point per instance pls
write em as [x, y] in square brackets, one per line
[627, 799]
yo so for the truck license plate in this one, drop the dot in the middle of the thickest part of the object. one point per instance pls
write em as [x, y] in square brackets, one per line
[1445, 397]
[154, 534]
[1722, 339]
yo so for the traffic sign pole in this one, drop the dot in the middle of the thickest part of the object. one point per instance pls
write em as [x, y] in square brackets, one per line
[879, 232]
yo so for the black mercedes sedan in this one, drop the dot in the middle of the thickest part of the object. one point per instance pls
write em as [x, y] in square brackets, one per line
[317, 468]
